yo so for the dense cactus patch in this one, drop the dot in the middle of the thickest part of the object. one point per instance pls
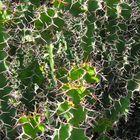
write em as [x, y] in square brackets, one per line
[69, 69]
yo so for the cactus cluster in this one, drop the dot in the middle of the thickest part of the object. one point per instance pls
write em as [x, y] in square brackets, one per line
[69, 69]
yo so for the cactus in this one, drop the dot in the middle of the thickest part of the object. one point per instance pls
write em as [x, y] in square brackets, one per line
[76, 90]
[7, 110]
[81, 57]
[32, 125]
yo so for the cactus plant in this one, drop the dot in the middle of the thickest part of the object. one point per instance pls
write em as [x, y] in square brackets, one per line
[80, 57]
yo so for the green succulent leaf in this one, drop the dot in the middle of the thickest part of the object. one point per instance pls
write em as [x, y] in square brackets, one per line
[76, 9]
[3, 81]
[132, 85]
[76, 73]
[125, 10]
[23, 119]
[2, 55]
[45, 19]
[29, 130]
[77, 133]
[59, 23]
[51, 12]
[74, 94]
[63, 107]
[93, 5]
[41, 127]
[61, 74]
[63, 132]
[91, 79]
[2, 66]
[103, 125]
[79, 115]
